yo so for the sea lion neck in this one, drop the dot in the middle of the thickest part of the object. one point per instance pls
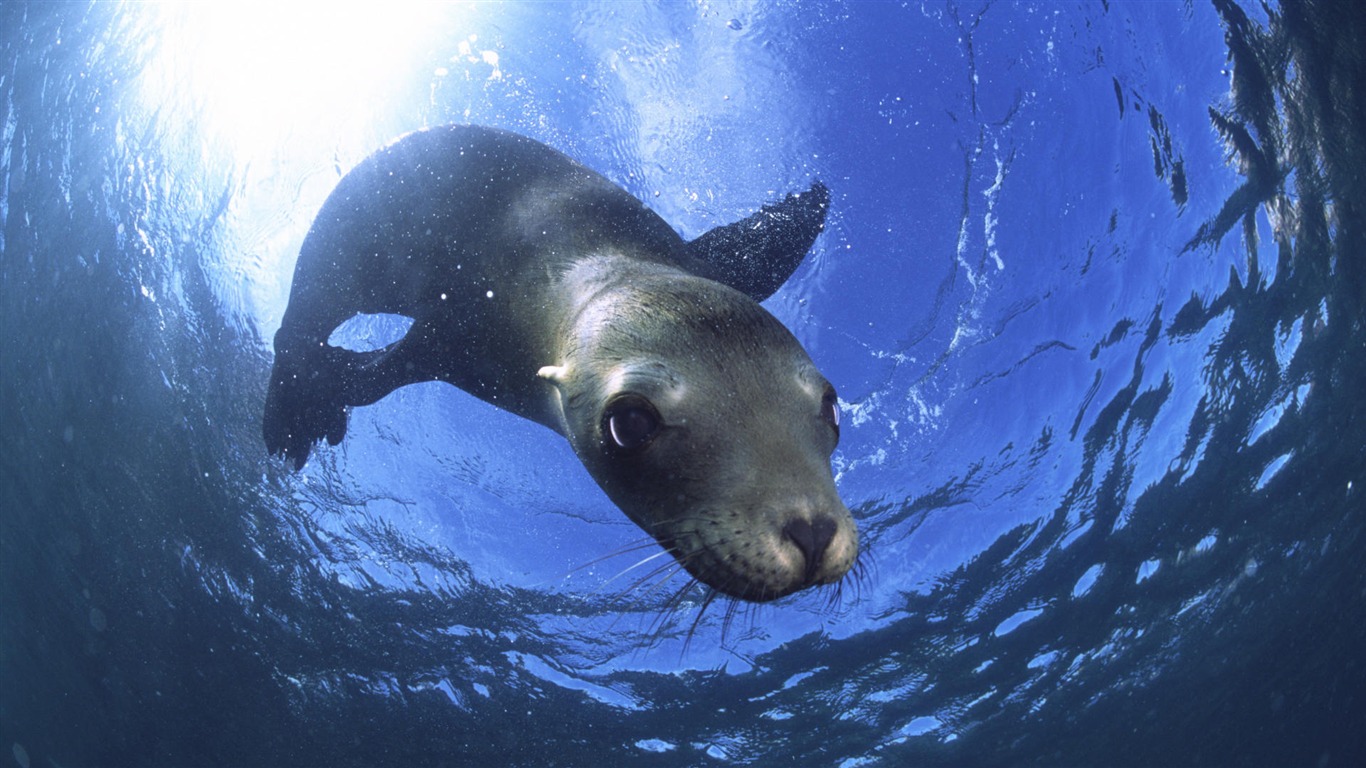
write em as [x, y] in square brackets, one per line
[595, 290]
[585, 279]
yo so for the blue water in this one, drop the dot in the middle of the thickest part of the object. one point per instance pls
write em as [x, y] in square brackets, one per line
[1091, 292]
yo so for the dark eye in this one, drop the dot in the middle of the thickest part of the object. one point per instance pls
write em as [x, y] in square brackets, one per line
[630, 422]
[830, 410]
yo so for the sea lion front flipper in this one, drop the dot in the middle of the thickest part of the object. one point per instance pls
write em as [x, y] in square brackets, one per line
[757, 254]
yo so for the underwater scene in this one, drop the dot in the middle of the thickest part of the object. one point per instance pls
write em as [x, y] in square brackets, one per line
[1090, 286]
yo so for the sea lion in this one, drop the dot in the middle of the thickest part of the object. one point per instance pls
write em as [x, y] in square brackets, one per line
[539, 286]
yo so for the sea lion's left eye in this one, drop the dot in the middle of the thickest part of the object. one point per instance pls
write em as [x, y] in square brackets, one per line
[830, 410]
[630, 422]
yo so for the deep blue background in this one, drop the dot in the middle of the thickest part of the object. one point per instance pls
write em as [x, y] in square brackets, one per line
[1091, 293]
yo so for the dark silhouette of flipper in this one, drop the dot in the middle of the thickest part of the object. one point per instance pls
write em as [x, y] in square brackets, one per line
[757, 254]
[310, 396]
[314, 386]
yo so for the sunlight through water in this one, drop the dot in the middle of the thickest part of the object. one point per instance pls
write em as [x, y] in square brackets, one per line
[317, 69]
[282, 98]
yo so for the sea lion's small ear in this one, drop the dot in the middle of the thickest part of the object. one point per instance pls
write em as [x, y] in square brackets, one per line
[555, 374]
[558, 375]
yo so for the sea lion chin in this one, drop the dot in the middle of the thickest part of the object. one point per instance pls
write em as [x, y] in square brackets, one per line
[538, 285]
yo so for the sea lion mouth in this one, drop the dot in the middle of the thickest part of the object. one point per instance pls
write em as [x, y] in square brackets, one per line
[763, 563]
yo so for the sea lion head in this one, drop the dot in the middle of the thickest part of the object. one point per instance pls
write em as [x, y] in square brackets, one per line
[706, 422]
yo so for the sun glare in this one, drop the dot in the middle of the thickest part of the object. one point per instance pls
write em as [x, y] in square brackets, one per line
[258, 74]
[276, 100]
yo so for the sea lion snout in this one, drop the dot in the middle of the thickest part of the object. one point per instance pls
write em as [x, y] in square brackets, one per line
[813, 539]
[760, 554]
[815, 544]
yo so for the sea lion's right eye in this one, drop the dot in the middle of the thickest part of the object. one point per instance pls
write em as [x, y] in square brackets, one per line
[630, 422]
[830, 410]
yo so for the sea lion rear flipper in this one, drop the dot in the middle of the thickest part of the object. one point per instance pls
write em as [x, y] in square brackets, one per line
[757, 254]
[310, 397]
[304, 403]
[311, 394]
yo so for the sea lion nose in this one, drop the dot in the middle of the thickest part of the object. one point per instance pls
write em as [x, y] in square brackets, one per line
[812, 537]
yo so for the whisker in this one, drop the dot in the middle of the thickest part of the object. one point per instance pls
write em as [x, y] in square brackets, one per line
[633, 547]
[692, 629]
[731, 610]
[638, 564]
[850, 589]
[661, 575]
[834, 595]
[664, 579]
[669, 569]
[669, 608]
[676, 598]
[864, 575]
[686, 519]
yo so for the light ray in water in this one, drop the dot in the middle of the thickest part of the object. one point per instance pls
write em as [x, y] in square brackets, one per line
[261, 73]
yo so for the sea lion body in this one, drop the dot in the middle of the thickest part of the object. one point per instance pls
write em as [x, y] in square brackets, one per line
[538, 285]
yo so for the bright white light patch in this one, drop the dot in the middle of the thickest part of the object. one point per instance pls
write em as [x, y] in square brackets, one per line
[273, 102]
[258, 73]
